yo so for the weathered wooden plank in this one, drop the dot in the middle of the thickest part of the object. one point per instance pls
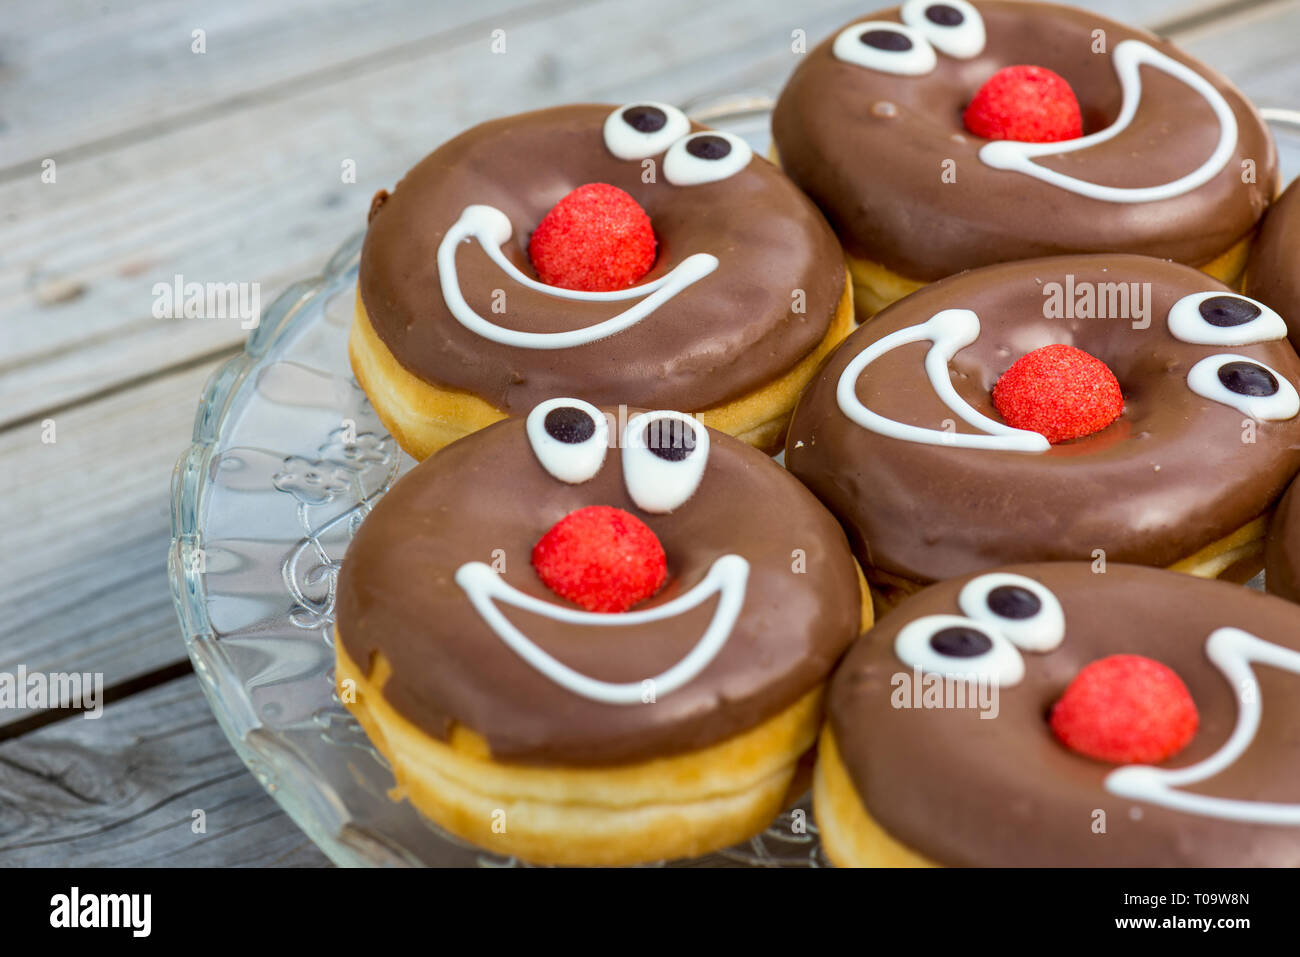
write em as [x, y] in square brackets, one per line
[88, 76]
[122, 789]
[137, 72]
[83, 577]
[256, 194]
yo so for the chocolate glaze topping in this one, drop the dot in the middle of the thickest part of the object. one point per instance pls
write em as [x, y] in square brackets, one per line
[969, 791]
[1273, 273]
[728, 334]
[1169, 477]
[1282, 550]
[876, 172]
[487, 492]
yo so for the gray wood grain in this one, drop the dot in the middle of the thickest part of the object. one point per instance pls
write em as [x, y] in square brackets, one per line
[122, 790]
[87, 521]
[137, 73]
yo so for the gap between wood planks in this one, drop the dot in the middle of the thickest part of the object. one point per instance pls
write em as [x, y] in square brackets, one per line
[126, 385]
[116, 692]
[1213, 14]
[413, 49]
[330, 74]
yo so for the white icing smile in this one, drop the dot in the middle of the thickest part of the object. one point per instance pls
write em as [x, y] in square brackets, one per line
[1129, 55]
[951, 331]
[727, 578]
[492, 228]
[1232, 651]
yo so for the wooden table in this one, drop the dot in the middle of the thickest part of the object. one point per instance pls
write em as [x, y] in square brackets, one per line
[226, 165]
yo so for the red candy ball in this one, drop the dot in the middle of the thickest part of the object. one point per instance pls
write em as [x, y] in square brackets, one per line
[596, 239]
[1060, 392]
[1125, 709]
[602, 558]
[1026, 103]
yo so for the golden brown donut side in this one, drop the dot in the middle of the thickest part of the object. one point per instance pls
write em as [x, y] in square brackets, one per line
[424, 417]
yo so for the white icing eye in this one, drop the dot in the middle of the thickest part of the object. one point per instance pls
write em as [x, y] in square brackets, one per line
[664, 455]
[959, 647]
[1246, 385]
[954, 27]
[638, 130]
[886, 46]
[569, 437]
[1023, 610]
[1224, 319]
[706, 157]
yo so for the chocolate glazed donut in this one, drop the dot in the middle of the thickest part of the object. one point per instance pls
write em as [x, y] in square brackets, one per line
[398, 597]
[1282, 550]
[869, 143]
[662, 707]
[963, 786]
[1189, 463]
[1273, 272]
[720, 334]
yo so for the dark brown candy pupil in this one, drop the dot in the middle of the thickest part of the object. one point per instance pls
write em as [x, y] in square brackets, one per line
[890, 40]
[569, 425]
[1246, 378]
[670, 439]
[1012, 601]
[944, 15]
[1228, 311]
[960, 642]
[645, 119]
[708, 147]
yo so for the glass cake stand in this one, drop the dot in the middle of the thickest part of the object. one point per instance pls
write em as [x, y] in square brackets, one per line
[287, 459]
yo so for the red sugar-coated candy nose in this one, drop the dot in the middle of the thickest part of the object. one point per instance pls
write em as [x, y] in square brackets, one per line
[602, 558]
[1060, 392]
[1125, 709]
[597, 239]
[1027, 103]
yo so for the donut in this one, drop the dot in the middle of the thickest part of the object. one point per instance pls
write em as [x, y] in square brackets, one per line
[877, 124]
[588, 638]
[1047, 715]
[455, 328]
[939, 432]
[1271, 272]
[1282, 548]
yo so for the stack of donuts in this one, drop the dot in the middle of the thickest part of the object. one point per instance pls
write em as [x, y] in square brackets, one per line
[1014, 297]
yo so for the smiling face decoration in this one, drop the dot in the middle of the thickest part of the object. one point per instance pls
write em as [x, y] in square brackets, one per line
[901, 437]
[457, 581]
[635, 132]
[1004, 789]
[870, 126]
[568, 437]
[448, 288]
